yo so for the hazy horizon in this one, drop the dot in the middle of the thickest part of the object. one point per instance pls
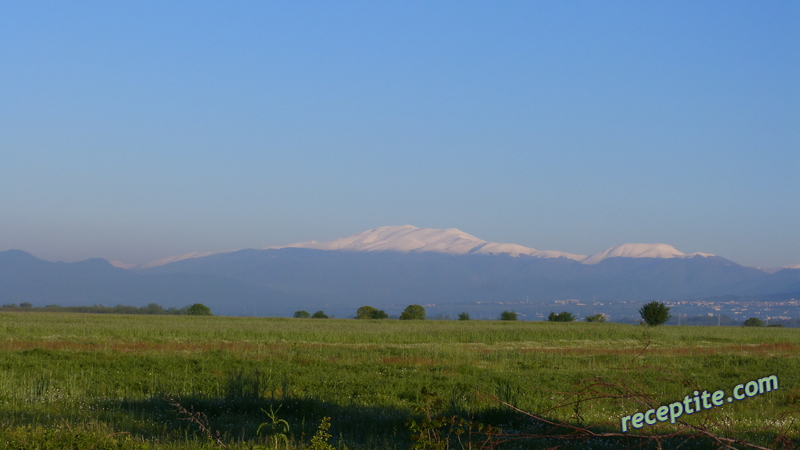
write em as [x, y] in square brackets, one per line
[138, 131]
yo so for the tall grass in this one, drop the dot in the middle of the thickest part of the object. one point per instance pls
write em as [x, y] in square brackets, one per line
[131, 328]
[113, 374]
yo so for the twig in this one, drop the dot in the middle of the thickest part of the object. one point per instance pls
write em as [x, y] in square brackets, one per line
[199, 419]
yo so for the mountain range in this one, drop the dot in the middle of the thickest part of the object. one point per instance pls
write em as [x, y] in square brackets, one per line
[408, 238]
[389, 268]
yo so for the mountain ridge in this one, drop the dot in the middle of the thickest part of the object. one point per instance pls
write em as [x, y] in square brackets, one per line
[280, 281]
[412, 239]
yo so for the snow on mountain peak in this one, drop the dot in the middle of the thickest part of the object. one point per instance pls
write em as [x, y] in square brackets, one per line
[172, 259]
[408, 238]
[641, 251]
[405, 238]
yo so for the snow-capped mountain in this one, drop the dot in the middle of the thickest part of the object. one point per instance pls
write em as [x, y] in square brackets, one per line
[408, 238]
[411, 239]
[390, 267]
[641, 251]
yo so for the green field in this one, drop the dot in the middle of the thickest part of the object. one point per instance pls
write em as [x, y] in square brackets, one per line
[130, 382]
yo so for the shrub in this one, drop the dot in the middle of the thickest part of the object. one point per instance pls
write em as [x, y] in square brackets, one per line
[155, 308]
[753, 322]
[508, 315]
[595, 318]
[463, 316]
[301, 315]
[368, 312]
[198, 309]
[561, 317]
[413, 312]
[319, 315]
[655, 313]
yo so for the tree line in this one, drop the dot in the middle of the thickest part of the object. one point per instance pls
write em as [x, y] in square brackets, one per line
[652, 314]
[417, 312]
[197, 309]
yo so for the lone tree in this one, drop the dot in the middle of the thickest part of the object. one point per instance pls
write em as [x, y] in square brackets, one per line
[368, 312]
[655, 313]
[595, 318]
[301, 315]
[753, 322]
[413, 312]
[198, 309]
[463, 315]
[319, 315]
[508, 315]
[561, 317]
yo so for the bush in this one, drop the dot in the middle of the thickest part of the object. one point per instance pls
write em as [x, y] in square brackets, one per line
[463, 316]
[155, 308]
[508, 315]
[301, 315]
[561, 317]
[753, 322]
[655, 313]
[595, 318]
[368, 312]
[198, 309]
[413, 312]
[319, 315]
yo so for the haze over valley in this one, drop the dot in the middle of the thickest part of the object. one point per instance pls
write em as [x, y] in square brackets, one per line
[389, 267]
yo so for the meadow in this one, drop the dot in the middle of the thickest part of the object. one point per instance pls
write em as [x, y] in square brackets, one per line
[183, 382]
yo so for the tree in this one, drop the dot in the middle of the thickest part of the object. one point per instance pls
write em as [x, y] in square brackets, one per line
[561, 317]
[413, 312]
[595, 318]
[463, 316]
[508, 315]
[198, 309]
[25, 305]
[655, 313]
[319, 315]
[155, 308]
[753, 322]
[368, 312]
[301, 315]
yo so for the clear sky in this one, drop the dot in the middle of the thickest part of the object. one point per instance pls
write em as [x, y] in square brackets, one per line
[137, 130]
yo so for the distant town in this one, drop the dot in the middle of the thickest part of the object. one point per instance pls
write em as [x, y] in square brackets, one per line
[710, 311]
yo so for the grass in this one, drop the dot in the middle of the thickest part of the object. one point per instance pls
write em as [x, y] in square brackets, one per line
[104, 381]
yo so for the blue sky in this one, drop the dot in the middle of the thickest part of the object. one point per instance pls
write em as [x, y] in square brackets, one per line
[137, 130]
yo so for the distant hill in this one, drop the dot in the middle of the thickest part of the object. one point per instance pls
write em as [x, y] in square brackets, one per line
[391, 278]
[25, 278]
[389, 268]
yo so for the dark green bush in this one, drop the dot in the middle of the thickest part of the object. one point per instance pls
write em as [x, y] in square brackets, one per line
[508, 315]
[561, 317]
[413, 312]
[368, 312]
[199, 309]
[753, 322]
[655, 313]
